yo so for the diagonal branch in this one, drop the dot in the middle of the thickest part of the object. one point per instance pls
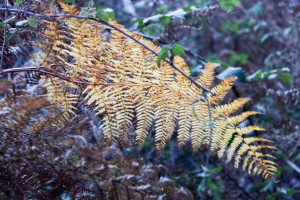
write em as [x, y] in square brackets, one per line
[115, 28]
[60, 76]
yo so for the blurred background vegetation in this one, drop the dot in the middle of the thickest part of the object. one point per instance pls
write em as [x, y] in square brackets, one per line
[259, 42]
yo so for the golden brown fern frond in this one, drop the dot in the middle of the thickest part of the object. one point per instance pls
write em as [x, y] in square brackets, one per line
[61, 95]
[207, 75]
[121, 82]
[184, 123]
[200, 125]
[229, 108]
[221, 90]
[68, 9]
[234, 120]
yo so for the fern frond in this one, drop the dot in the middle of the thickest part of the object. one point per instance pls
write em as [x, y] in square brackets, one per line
[200, 125]
[227, 109]
[218, 130]
[59, 94]
[248, 129]
[145, 113]
[165, 116]
[207, 75]
[68, 9]
[237, 141]
[249, 140]
[119, 79]
[234, 120]
[221, 90]
[184, 123]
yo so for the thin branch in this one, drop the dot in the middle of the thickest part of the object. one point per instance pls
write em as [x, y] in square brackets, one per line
[293, 165]
[4, 40]
[34, 69]
[114, 27]
[230, 178]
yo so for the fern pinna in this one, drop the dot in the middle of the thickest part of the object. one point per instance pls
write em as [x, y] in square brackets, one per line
[122, 82]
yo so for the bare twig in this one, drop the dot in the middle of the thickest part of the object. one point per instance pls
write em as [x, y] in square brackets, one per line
[231, 179]
[40, 70]
[115, 28]
[293, 165]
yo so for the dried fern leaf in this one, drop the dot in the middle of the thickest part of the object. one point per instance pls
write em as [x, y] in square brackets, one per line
[121, 82]
[221, 90]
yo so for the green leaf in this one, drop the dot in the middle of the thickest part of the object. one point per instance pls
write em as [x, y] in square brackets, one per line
[165, 20]
[217, 169]
[139, 21]
[187, 8]
[18, 2]
[214, 188]
[164, 52]
[69, 1]
[290, 192]
[2, 24]
[255, 76]
[213, 58]
[177, 50]
[229, 4]
[230, 26]
[32, 21]
[238, 58]
[284, 77]
[105, 14]
[272, 196]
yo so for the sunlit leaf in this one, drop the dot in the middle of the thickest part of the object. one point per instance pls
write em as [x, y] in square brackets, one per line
[177, 50]
[164, 52]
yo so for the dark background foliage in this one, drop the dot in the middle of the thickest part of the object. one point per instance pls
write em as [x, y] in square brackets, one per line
[257, 41]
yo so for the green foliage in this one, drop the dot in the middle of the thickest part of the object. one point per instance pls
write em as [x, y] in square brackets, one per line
[8, 21]
[238, 58]
[18, 2]
[177, 50]
[229, 4]
[31, 21]
[163, 54]
[105, 14]
[69, 1]
[283, 75]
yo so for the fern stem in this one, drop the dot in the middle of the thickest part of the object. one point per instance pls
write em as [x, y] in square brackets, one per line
[209, 144]
[210, 132]
[114, 27]
[34, 69]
